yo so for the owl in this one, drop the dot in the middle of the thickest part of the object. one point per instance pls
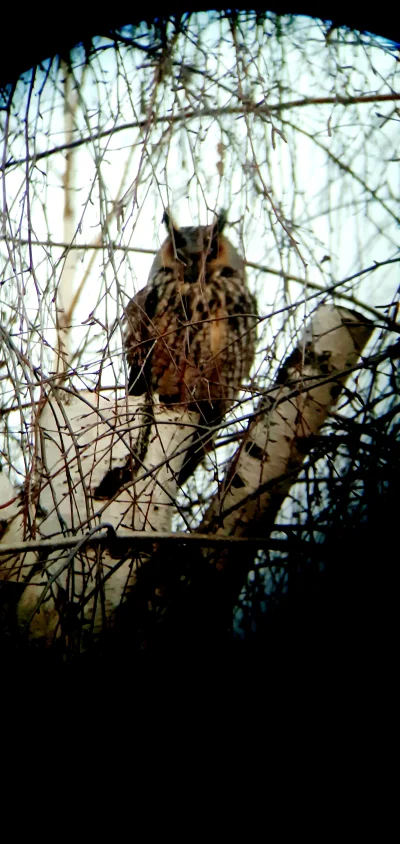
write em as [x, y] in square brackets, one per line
[190, 333]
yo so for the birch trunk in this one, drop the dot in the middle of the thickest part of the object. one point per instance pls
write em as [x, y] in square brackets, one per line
[102, 461]
[65, 290]
[277, 440]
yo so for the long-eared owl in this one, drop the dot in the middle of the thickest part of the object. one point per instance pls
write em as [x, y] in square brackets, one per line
[190, 333]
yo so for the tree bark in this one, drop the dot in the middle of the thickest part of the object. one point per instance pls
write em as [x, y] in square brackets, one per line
[101, 461]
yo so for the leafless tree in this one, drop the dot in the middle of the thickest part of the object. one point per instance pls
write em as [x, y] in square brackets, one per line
[292, 127]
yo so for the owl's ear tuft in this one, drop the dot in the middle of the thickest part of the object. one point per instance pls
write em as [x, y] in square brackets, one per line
[173, 231]
[166, 219]
[220, 221]
[169, 223]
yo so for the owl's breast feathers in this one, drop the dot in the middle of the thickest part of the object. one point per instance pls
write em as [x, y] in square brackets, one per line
[190, 333]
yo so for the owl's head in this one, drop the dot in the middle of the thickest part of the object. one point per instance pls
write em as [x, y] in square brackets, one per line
[197, 250]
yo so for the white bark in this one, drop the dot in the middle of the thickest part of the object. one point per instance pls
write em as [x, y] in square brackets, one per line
[65, 290]
[273, 450]
[87, 475]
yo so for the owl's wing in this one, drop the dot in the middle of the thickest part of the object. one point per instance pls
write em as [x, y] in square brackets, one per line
[231, 367]
[137, 340]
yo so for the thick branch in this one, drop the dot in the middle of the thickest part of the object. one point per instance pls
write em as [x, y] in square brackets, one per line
[261, 109]
[272, 453]
[99, 461]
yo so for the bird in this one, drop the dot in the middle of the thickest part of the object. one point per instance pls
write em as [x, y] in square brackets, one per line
[190, 333]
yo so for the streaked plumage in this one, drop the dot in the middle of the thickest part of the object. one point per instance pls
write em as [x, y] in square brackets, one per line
[190, 333]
